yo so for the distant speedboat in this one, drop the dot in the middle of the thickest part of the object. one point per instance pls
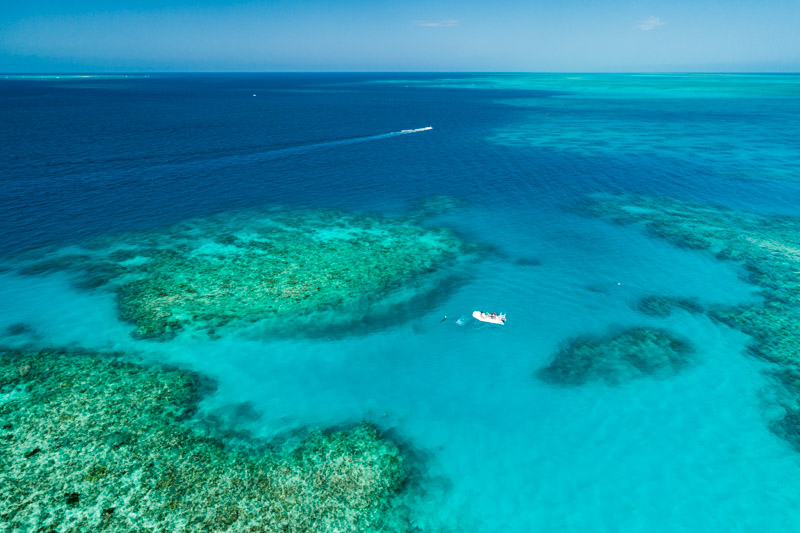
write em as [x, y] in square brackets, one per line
[491, 318]
[418, 129]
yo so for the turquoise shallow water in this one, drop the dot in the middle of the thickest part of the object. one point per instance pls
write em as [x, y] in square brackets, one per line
[505, 450]
[499, 449]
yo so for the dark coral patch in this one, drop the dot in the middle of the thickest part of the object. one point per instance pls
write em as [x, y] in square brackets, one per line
[528, 261]
[664, 306]
[631, 354]
[19, 329]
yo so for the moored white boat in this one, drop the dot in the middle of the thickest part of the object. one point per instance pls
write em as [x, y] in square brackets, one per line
[492, 318]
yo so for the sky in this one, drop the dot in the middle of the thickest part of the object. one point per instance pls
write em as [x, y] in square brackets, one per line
[394, 36]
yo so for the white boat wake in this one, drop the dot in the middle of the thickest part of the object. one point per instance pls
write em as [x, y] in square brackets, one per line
[211, 162]
[281, 152]
[338, 142]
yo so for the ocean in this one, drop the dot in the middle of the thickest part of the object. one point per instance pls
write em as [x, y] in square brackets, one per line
[566, 418]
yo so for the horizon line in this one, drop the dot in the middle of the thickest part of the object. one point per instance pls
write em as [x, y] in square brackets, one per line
[511, 72]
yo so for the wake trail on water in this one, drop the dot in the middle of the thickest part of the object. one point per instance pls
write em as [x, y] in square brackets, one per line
[213, 162]
[269, 154]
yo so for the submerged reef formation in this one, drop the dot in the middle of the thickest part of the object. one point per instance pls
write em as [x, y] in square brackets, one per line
[91, 443]
[768, 250]
[290, 272]
[595, 121]
[786, 395]
[528, 261]
[431, 206]
[19, 329]
[631, 354]
[664, 306]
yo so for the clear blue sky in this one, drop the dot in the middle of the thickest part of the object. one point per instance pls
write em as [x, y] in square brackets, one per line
[407, 35]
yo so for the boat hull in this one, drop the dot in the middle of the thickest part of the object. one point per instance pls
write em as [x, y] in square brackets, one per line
[486, 318]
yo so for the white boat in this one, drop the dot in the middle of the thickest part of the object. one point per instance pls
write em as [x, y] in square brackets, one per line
[426, 128]
[492, 318]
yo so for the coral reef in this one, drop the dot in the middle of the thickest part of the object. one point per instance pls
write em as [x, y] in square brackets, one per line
[663, 306]
[786, 394]
[19, 329]
[92, 443]
[429, 206]
[617, 358]
[618, 130]
[528, 261]
[287, 271]
[768, 250]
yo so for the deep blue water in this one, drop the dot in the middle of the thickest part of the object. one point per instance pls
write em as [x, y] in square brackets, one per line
[85, 157]
[89, 156]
